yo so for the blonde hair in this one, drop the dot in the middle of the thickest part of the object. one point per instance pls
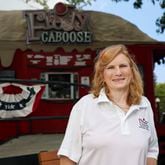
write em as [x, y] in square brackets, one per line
[104, 58]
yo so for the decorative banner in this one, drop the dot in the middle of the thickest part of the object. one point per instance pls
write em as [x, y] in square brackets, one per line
[17, 100]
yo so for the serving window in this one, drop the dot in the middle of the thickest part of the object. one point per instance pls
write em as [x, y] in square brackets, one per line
[63, 87]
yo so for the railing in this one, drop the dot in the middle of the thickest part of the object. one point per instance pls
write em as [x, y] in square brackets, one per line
[40, 82]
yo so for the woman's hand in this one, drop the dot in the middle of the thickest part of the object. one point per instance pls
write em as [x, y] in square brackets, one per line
[66, 161]
[151, 161]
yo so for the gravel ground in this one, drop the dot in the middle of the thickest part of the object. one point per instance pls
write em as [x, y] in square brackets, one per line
[30, 144]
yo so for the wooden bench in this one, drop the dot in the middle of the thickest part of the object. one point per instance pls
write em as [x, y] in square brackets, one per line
[48, 158]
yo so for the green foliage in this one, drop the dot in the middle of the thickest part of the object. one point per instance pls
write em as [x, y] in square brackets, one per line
[138, 4]
[160, 94]
[80, 3]
[160, 22]
[160, 89]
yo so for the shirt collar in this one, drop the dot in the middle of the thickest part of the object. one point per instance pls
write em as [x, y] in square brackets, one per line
[103, 98]
[143, 104]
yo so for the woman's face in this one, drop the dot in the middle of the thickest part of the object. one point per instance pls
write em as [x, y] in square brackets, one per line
[118, 73]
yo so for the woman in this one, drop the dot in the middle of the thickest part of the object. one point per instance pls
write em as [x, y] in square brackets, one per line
[112, 125]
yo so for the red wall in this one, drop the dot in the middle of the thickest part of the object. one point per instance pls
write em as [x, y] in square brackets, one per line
[8, 129]
[46, 108]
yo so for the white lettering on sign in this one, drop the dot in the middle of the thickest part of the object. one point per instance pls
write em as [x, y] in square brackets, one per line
[66, 37]
[65, 59]
[81, 59]
[49, 60]
[59, 60]
[50, 27]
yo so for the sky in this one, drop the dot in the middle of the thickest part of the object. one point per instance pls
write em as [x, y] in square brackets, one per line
[143, 18]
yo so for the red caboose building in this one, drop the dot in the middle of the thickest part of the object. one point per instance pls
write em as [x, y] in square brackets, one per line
[56, 48]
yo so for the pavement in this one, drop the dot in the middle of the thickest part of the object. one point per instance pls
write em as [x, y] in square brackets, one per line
[30, 144]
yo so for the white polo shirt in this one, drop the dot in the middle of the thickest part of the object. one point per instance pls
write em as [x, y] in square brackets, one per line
[99, 133]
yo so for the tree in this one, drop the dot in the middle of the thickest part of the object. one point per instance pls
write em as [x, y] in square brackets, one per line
[160, 89]
[160, 95]
[77, 3]
[160, 22]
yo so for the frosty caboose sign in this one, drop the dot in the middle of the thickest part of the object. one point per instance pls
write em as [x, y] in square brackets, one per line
[63, 24]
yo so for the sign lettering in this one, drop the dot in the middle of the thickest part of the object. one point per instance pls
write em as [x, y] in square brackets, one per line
[65, 37]
[58, 26]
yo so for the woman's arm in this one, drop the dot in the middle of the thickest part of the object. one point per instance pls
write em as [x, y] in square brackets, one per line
[66, 161]
[151, 161]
